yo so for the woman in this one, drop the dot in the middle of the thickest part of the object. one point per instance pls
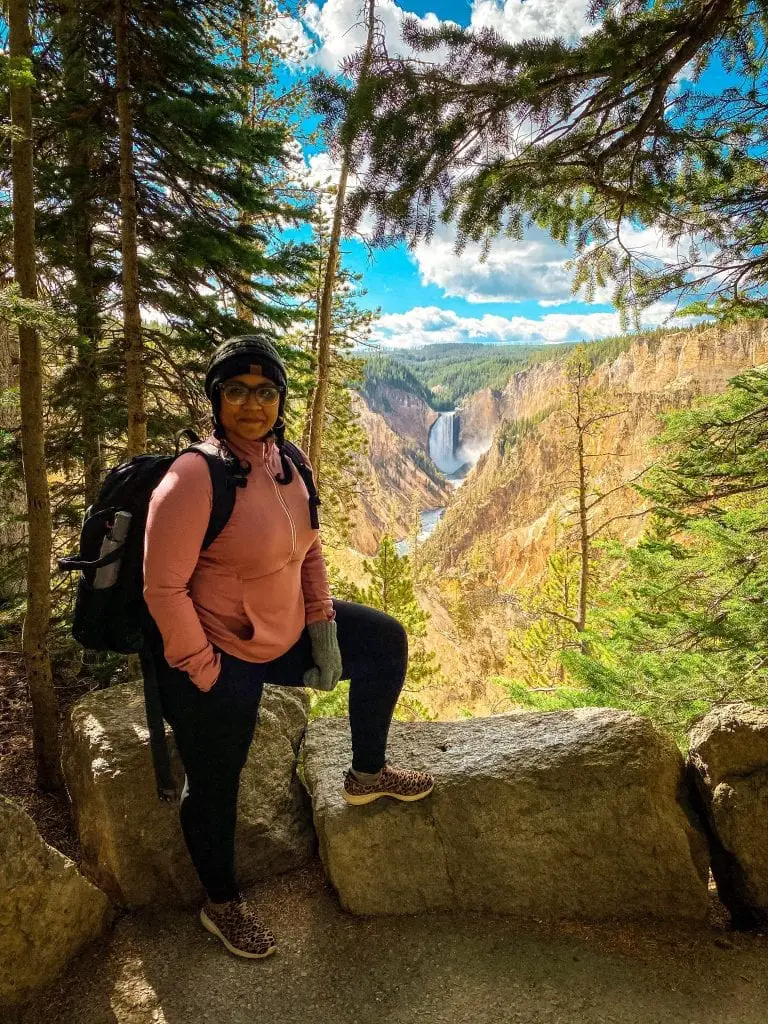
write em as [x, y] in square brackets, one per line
[255, 607]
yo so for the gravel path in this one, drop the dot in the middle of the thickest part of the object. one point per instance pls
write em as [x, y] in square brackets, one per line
[162, 967]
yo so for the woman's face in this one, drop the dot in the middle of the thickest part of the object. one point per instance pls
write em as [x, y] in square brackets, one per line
[249, 421]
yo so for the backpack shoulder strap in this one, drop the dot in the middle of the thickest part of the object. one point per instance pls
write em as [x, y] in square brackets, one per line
[224, 483]
[296, 456]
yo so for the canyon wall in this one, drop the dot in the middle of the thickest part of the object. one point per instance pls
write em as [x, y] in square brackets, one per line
[479, 416]
[406, 414]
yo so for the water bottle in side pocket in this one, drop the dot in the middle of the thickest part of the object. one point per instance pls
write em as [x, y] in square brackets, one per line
[106, 575]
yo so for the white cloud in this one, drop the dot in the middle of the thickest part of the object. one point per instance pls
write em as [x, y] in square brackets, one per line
[425, 325]
[517, 20]
[515, 270]
[295, 163]
[531, 268]
[652, 244]
[293, 36]
[338, 25]
[683, 77]
[321, 172]
[339, 28]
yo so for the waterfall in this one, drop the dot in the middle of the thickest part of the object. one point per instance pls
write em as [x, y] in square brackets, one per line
[442, 442]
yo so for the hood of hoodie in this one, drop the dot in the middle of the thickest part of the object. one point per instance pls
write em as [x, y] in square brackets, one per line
[254, 451]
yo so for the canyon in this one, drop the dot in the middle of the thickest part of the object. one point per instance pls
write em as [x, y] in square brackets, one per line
[514, 498]
[509, 510]
[396, 476]
[508, 493]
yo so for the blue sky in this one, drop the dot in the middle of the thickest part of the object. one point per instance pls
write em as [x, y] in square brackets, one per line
[522, 293]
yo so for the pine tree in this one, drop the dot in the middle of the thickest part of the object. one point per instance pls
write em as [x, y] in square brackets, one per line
[326, 292]
[199, 165]
[683, 626]
[344, 442]
[45, 718]
[136, 441]
[391, 590]
[414, 554]
[269, 101]
[534, 667]
[586, 409]
[578, 138]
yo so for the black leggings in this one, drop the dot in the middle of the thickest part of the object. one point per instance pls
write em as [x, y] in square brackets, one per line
[213, 730]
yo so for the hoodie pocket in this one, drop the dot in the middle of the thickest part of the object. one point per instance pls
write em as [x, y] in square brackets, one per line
[222, 669]
[265, 600]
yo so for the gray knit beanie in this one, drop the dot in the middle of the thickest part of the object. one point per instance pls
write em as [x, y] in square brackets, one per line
[249, 353]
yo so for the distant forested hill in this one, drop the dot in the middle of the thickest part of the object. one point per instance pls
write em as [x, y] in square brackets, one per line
[444, 374]
[384, 369]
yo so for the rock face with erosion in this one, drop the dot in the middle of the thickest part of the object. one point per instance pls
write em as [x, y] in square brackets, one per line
[406, 414]
[728, 764]
[564, 814]
[132, 844]
[48, 911]
[479, 416]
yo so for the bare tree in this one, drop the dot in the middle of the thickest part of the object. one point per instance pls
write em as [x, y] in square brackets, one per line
[586, 409]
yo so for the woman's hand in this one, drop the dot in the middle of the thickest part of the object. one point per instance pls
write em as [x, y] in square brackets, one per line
[326, 672]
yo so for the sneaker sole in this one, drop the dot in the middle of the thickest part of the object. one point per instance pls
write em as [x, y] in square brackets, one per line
[211, 927]
[369, 797]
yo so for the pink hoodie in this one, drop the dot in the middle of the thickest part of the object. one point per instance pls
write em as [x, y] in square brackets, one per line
[255, 588]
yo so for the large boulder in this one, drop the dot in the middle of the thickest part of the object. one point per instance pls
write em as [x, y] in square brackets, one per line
[132, 843]
[579, 814]
[48, 911]
[728, 765]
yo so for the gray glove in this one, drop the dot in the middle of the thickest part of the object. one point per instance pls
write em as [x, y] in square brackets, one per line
[326, 672]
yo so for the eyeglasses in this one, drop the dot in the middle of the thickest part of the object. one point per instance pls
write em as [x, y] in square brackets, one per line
[237, 393]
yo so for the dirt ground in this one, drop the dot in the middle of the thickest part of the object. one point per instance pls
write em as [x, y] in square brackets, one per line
[49, 811]
[162, 967]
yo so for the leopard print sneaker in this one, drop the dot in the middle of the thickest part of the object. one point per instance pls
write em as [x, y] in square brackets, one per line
[236, 924]
[400, 783]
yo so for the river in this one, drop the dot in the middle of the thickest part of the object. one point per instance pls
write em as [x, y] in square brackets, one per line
[429, 520]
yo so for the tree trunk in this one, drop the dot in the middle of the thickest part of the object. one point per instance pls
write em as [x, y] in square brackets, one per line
[305, 437]
[246, 217]
[45, 713]
[581, 614]
[84, 293]
[323, 354]
[326, 299]
[134, 376]
[14, 543]
[581, 423]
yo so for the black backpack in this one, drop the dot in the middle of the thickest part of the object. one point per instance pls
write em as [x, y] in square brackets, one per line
[116, 618]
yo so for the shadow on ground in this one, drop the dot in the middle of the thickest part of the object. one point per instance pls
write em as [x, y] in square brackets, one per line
[162, 967]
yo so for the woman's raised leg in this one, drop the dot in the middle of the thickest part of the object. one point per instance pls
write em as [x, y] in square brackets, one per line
[374, 656]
